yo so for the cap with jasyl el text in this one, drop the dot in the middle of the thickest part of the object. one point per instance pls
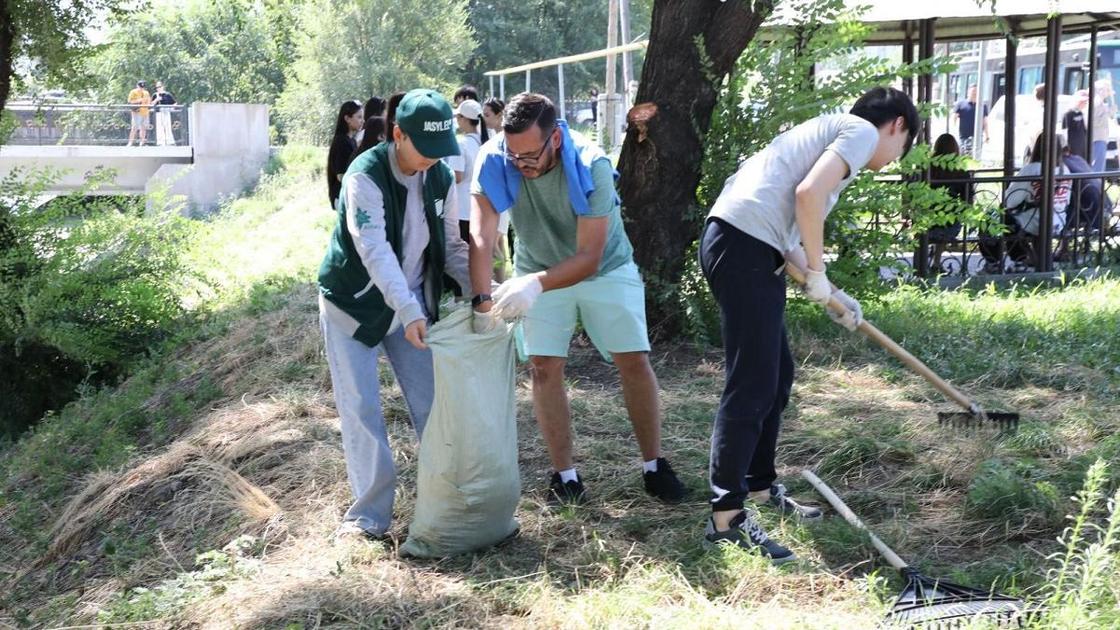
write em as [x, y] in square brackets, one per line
[426, 118]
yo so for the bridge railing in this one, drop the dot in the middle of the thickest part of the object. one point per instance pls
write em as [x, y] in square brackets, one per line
[98, 125]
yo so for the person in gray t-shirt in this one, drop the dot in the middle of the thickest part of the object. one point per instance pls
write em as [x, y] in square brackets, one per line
[771, 212]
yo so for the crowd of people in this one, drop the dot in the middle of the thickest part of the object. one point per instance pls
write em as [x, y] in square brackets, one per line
[1077, 204]
[425, 206]
[141, 102]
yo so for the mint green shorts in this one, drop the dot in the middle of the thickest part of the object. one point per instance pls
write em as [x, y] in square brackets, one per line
[611, 307]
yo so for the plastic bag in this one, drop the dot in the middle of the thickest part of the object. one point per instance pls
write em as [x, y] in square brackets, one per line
[468, 484]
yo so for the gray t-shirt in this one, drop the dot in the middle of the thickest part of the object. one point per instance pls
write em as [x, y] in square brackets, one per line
[760, 198]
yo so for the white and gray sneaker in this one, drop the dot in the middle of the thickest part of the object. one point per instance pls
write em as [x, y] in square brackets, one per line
[746, 533]
[788, 507]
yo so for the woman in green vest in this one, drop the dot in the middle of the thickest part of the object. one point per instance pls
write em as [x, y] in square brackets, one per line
[379, 287]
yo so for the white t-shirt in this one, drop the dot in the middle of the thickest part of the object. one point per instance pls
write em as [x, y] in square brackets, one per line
[469, 144]
[760, 198]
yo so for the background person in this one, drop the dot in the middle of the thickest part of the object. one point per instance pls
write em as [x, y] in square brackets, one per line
[346, 124]
[161, 100]
[139, 99]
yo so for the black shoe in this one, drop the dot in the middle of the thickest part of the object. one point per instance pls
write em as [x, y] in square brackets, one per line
[565, 492]
[747, 534]
[788, 507]
[663, 483]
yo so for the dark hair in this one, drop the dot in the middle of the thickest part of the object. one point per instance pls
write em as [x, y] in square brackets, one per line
[348, 109]
[527, 109]
[466, 92]
[882, 105]
[373, 134]
[495, 104]
[375, 106]
[1058, 146]
[391, 114]
[946, 144]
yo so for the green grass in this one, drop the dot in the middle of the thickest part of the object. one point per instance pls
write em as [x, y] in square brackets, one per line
[243, 389]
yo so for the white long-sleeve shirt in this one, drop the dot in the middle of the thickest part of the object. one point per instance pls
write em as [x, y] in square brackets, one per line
[399, 282]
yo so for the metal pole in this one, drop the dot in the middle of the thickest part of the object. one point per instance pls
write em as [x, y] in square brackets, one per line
[1010, 97]
[627, 65]
[978, 119]
[925, 95]
[1092, 92]
[502, 84]
[945, 90]
[491, 85]
[908, 58]
[528, 81]
[1049, 124]
[612, 66]
[560, 77]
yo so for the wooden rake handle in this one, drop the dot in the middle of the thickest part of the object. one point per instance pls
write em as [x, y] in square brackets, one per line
[850, 516]
[888, 344]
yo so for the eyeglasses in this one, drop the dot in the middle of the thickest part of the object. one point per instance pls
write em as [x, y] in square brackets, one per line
[534, 159]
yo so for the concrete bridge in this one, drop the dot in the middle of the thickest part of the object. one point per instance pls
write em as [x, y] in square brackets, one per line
[220, 152]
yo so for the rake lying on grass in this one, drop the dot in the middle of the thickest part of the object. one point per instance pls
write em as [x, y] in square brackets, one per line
[928, 603]
[973, 414]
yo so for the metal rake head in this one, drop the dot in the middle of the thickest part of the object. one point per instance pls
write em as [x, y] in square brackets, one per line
[1002, 421]
[935, 604]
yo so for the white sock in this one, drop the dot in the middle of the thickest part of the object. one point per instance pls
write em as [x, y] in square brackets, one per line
[568, 475]
[649, 466]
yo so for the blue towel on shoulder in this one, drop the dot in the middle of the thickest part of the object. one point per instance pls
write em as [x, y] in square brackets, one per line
[501, 181]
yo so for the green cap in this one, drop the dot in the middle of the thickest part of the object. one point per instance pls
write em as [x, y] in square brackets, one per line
[425, 116]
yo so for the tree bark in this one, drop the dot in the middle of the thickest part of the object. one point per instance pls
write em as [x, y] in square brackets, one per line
[661, 155]
[7, 46]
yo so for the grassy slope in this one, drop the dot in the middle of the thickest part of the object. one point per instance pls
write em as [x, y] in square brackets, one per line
[228, 446]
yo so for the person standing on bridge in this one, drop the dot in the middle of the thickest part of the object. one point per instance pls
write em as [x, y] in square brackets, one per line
[139, 100]
[162, 100]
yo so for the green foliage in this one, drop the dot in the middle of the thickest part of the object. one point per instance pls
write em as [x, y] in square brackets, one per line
[772, 89]
[355, 50]
[1008, 491]
[52, 38]
[203, 51]
[1083, 590]
[84, 281]
[515, 32]
[215, 570]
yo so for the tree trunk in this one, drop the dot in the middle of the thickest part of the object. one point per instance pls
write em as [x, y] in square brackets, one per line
[661, 156]
[7, 46]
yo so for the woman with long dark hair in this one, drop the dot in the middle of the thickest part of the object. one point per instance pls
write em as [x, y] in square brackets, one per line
[374, 108]
[373, 134]
[492, 114]
[348, 122]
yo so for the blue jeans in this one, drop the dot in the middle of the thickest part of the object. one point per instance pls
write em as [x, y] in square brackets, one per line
[1099, 152]
[369, 460]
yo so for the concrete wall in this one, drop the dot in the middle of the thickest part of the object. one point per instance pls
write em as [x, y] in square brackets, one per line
[134, 166]
[230, 142]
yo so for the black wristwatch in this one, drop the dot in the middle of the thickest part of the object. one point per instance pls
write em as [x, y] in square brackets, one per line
[479, 299]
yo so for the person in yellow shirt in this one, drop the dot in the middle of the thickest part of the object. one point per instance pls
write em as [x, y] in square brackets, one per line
[139, 99]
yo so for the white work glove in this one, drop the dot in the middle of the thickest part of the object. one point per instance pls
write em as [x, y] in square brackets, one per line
[482, 323]
[516, 296]
[817, 287]
[850, 320]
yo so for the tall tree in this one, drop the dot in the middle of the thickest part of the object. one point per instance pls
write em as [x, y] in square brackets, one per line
[357, 49]
[693, 46]
[50, 37]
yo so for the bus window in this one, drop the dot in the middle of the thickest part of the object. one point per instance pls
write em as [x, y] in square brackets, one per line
[1076, 78]
[999, 86]
[1028, 78]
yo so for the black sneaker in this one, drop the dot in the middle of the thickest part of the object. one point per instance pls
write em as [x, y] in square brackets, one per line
[746, 533]
[663, 483]
[565, 492]
[788, 507]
